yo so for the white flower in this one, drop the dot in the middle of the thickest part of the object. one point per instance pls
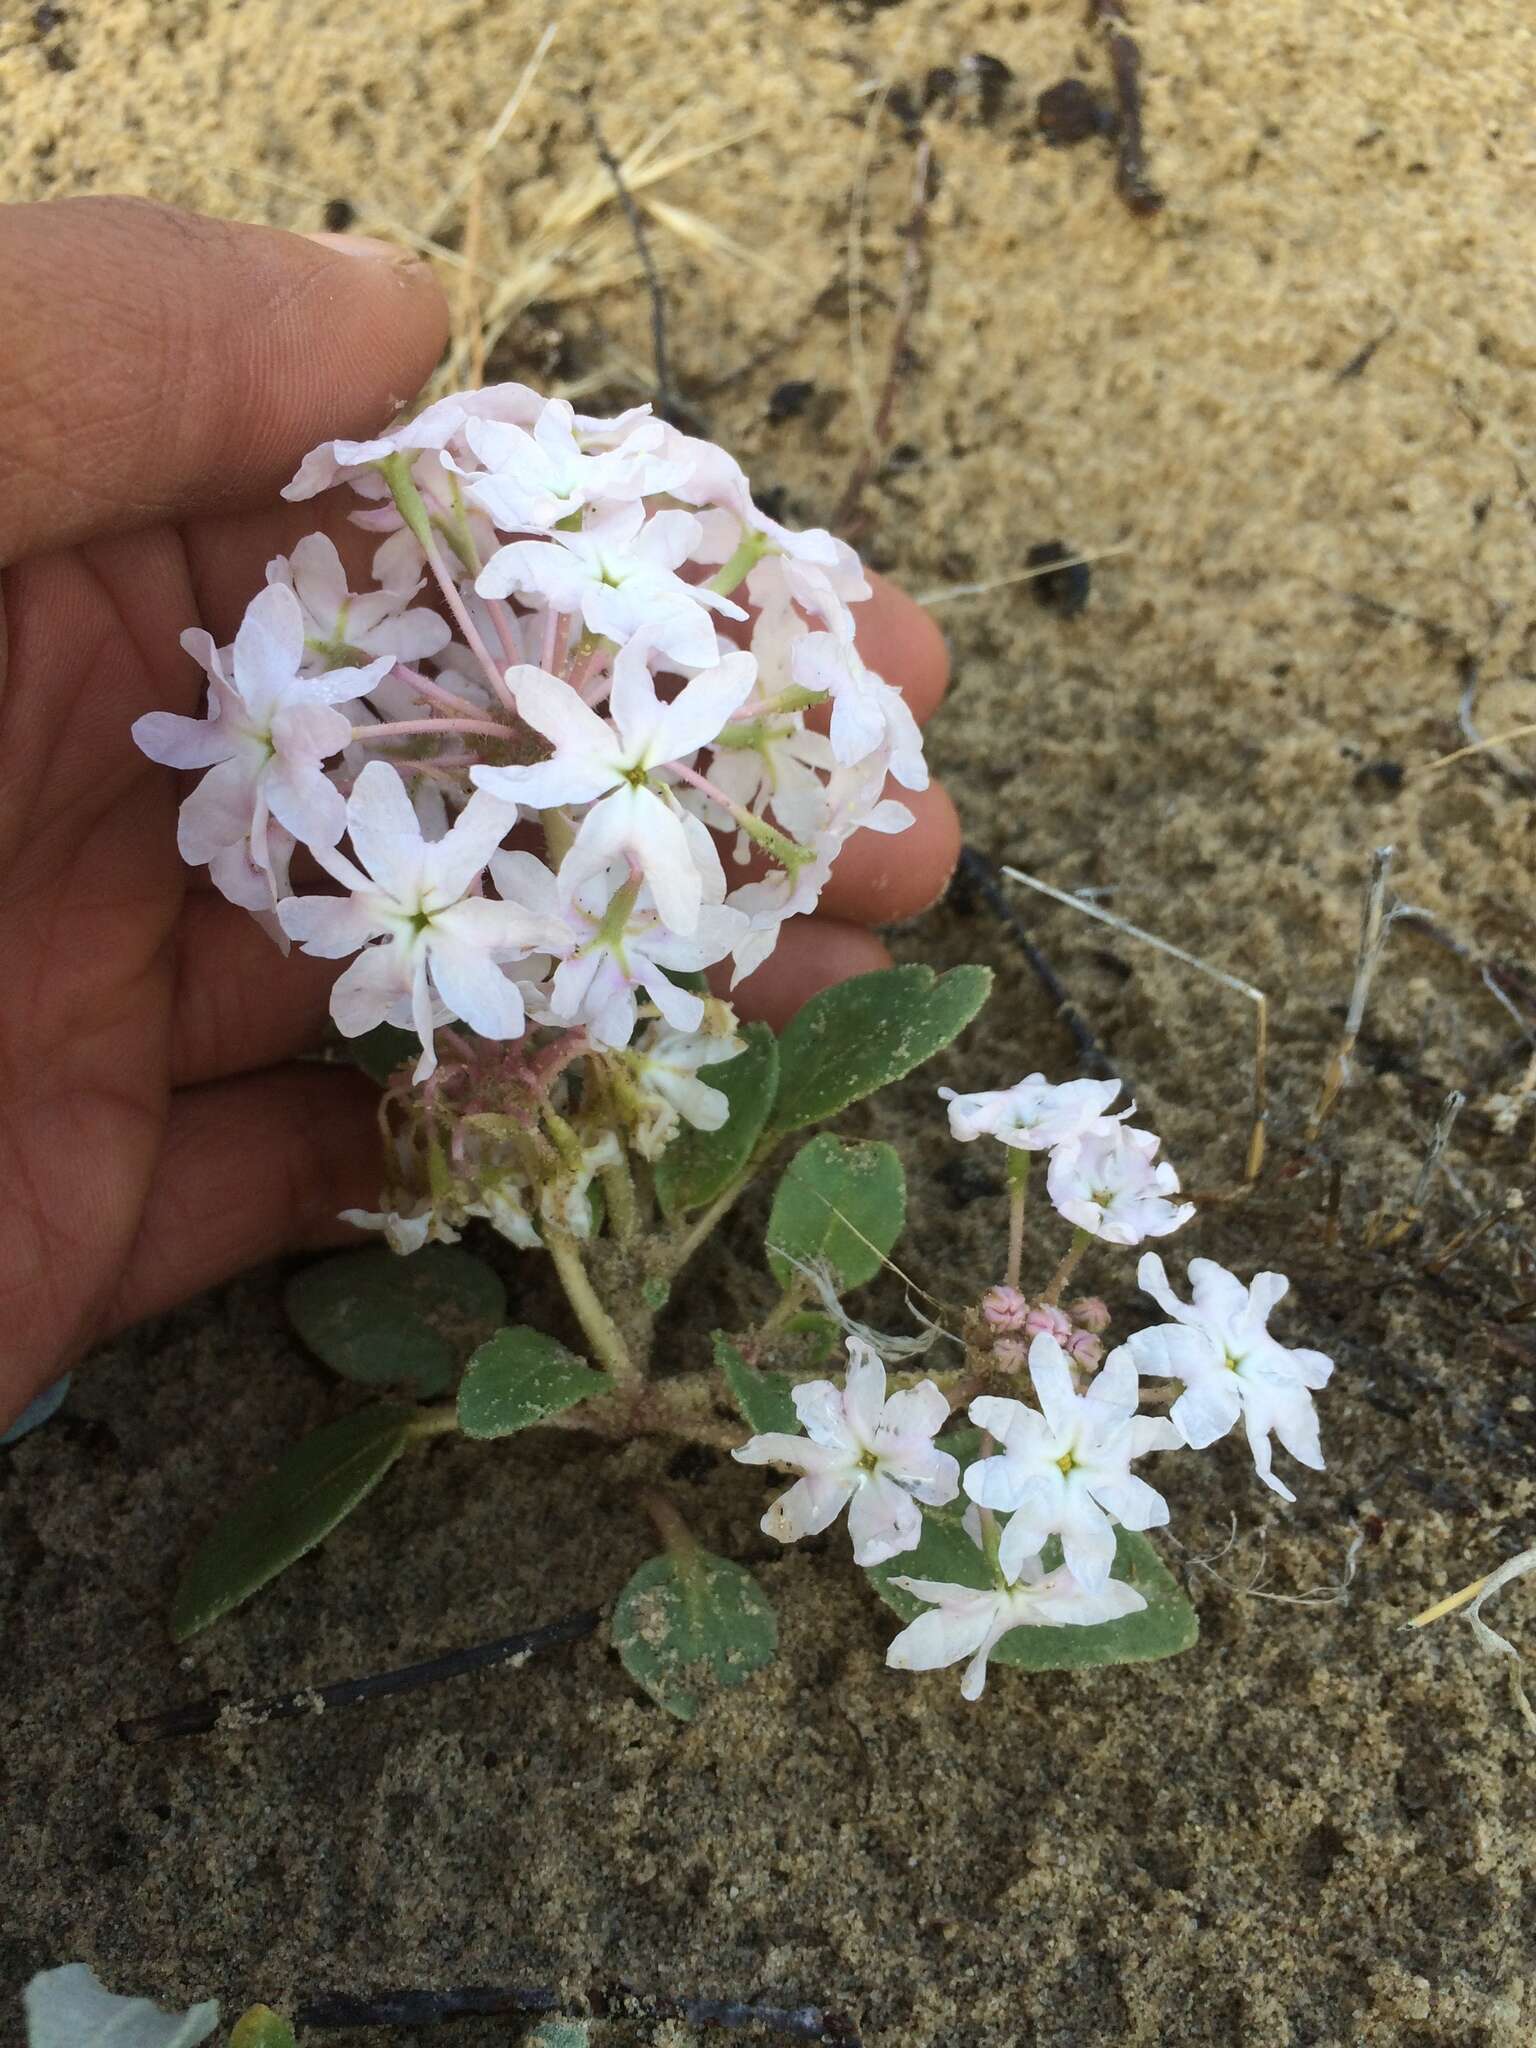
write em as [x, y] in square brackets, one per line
[1111, 1183]
[532, 481]
[405, 1231]
[769, 767]
[859, 1447]
[432, 429]
[1065, 1471]
[1032, 1115]
[618, 572]
[868, 716]
[268, 733]
[338, 625]
[966, 1622]
[610, 942]
[439, 940]
[610, 762]
[1230, 1364]
[665, 1066]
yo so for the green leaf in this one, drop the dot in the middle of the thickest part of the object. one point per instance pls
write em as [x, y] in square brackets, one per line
[390, 1321]
[655, 1292]
[764, 1398]
[690, 1621]
[382, 1051]
[519, 1378]
[261, 2027]
[840, 1201]
[560, 2034]
[314, 1487]
[698, 1165]
[72, 2008]
[852, 1039]
[1167, 1625]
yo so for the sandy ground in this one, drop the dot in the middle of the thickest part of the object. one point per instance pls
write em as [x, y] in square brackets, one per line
[1314, 1830]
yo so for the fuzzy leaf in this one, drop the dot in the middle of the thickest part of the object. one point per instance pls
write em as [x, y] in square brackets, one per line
[840, 1201]
[390, 1321]
[1167, 1624]
[852, 1039]
[71, 2008]
[261, 2027]
[520, 1377]
[698, 1165]
[381, 1052]
[764, 1398]
[317, 1485]
[691, 1621]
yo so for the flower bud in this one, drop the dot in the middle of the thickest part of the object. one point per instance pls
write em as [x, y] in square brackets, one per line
[1010, 1355]
[1089, 1313]
[1084, 1349]
[1005, 1308]
[1045, 1321]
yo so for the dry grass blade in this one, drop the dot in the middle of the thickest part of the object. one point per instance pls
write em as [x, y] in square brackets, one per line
[1256, 996]
[1374, 925]
[951, 591]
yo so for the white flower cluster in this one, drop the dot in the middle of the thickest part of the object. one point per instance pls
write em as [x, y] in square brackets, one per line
[581, 626]
[1059, 1471]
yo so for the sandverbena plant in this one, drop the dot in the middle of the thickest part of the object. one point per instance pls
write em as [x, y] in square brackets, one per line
[598, 728]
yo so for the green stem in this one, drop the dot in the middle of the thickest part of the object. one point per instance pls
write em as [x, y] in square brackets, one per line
[1018, 1194]
[749, 552]
[623, 1212]
[434, 1421]
[789, 1304]
[1081, 1239]
[599, 1328]
[677, 1539]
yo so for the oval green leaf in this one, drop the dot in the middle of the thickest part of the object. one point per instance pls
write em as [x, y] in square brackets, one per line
[520, 1377]
[1167, 1624]
[689, 1622]
[842, 1202]
[764, 1398]
[698, 1165]
[314, 1487]
[261, 2027]
[388, 1321]
[852, 1039]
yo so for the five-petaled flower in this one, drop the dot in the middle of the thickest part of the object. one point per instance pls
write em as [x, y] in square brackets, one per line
[1032, 1115]
[440, 941]
[1111, 1183]
[1231, 1366]
[967, 1621]
[1065, 1470]
[859, 1448]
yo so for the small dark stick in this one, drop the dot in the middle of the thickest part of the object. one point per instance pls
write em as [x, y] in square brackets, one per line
[665, 404]
[976, 872]
[602, 2001]
[205, 1715]
[1132, 179]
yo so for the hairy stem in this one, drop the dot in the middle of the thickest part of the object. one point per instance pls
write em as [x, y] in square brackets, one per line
[599, 1328]
[1018, 1194]
[1081, 1239]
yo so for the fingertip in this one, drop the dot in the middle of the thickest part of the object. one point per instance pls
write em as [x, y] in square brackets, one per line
[812, 954]
[882, 878]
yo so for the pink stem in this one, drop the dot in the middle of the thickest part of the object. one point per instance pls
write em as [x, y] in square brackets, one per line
[728, 804]
[434, 693]
[404, 727]
[466, 624]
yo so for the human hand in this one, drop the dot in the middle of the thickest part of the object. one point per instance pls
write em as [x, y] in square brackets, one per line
[158, 1128]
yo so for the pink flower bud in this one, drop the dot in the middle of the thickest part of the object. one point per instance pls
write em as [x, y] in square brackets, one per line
[1089, 1313]
[1049, 1322]
[1010, 1355]
[1084, 1348]
[1004, 1308]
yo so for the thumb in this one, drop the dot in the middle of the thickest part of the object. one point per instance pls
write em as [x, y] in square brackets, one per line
[158, 364]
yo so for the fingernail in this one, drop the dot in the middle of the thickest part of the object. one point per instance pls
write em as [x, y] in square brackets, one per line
[368, 247]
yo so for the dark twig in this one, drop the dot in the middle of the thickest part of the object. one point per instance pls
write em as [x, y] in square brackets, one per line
[602, 2001]
[222, 1712]
[896, 369]
[977, 872]
[665, 404]
[1132, 180]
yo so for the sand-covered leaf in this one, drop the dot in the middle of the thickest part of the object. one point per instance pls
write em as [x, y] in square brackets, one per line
[698, 1165]
[388, 1321]
[764, 1398]
[1167, 1624]
[518, 1378]
[296, 1506]
[841, 1204]
[561, 2034]
[689, 1622]
[852, 1039]
[261, 2027]
[72, 2008]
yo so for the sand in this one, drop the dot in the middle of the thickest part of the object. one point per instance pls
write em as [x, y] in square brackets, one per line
[1299, 401]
